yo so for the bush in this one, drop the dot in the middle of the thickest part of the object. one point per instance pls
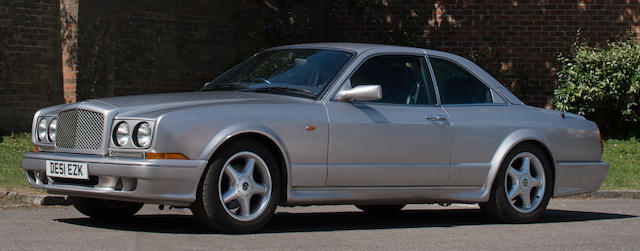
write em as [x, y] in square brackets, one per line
[602, 84]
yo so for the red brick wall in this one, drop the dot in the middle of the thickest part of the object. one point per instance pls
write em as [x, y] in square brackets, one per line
[134, 47]
[69, 43]
[30, 76]
[516, 41]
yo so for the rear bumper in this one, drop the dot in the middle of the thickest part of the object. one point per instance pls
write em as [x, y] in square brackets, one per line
[579, 177]
[170, 182]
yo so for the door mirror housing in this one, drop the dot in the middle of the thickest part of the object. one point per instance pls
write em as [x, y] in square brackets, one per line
[360, 93]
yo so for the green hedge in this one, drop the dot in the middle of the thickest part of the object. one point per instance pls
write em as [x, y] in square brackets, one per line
[602, 84]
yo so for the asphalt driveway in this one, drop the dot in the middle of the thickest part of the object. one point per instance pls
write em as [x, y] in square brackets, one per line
[568, 224]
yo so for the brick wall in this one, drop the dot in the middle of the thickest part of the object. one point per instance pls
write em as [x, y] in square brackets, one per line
[516, 41]
[130, 47]
[159, 46]
[30, 73]
[133, 47]
[69, 46]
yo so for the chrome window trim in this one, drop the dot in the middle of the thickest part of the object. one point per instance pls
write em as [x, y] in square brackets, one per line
[495, 95]
[356, 67]
[433, 78]
[392, 104]
[476, 104]
[469, 71]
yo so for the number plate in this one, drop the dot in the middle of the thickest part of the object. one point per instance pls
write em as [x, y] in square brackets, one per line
[70, 170]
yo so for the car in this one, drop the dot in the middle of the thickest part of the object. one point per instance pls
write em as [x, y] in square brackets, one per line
[376, 126]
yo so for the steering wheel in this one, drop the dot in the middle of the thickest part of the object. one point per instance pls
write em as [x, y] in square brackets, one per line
[264, 80]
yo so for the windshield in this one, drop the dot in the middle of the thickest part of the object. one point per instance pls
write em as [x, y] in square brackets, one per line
[300, 72]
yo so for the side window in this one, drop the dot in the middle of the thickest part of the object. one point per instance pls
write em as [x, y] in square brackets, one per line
[458, 86]
[404, 79]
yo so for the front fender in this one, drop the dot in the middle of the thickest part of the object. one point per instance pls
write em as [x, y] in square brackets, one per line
[225, 134]
[229, 132]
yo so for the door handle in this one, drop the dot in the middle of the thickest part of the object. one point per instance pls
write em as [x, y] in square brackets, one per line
[435, 117]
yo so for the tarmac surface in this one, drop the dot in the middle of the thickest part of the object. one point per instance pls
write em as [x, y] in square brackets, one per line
[594, 224]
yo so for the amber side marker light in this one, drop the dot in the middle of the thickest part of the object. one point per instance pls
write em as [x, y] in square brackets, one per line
[35, 149]
[165, 156]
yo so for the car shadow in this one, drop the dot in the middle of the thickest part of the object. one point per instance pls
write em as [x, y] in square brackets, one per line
[335, 221]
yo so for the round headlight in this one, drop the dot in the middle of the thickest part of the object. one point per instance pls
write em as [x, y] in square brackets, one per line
[142, 135]
[121, 134]
[53, 129]
[42, 130]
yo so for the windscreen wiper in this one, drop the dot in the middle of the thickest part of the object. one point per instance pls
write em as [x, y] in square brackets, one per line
[283, 90]
[224, 87]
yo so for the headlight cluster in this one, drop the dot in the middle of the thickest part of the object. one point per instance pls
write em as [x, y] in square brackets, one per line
[139, 135]
[47, 129]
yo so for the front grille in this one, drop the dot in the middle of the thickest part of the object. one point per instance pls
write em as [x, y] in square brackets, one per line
[80, 129]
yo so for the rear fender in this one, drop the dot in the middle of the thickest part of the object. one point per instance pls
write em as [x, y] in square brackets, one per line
[509, 142]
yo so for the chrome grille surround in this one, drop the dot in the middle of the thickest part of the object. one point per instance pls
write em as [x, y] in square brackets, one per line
[80, 129]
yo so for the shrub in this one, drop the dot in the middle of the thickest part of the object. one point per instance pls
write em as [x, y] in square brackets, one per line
[602, 84]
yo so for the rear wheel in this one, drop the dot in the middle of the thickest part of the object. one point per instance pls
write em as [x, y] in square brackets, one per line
[240, 189]
[105, 209]
[381, 209]
[522, 188]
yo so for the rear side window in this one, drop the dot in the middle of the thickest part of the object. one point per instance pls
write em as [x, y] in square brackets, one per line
[457, 86]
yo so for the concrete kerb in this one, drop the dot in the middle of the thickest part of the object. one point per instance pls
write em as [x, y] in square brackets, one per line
[35, 199]
[61, 200]
[609, 194]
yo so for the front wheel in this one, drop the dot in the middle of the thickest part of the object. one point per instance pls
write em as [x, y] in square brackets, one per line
[105, 209]
[522, 188]
[240, 189]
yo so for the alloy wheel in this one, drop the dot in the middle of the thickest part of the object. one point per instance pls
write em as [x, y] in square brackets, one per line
[525, 182]
[245, 186]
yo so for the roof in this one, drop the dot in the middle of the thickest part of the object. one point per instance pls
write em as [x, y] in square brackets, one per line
[357, 47]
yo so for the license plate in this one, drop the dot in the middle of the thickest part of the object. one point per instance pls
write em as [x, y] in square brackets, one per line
[70, 170]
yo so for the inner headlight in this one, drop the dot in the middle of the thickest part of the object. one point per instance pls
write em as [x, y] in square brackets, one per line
[142, 135]
[121, 134]
[42, 129]
[53, 129]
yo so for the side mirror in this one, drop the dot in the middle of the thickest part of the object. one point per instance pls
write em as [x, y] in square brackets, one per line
[360, 93]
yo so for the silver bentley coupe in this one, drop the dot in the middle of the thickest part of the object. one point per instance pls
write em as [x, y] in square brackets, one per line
[375, 126]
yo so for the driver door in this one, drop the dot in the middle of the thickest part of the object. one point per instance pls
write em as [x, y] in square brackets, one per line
[403, 139]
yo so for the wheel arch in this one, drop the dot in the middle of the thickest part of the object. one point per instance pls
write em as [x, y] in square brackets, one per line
[264, 136]
[509, 143]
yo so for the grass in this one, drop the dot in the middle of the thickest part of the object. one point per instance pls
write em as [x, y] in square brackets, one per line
[622, 155]
[12, 175]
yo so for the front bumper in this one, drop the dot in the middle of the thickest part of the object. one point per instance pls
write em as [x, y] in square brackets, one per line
[170, 182]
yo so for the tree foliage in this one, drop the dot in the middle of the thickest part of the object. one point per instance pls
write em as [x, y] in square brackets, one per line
[602, 84]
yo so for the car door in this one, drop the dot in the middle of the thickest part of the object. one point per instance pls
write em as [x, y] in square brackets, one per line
[480, 120]
[402, 139]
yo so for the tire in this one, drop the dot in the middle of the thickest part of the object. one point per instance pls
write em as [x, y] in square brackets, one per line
[251, 196]
[105, 209]
[513, 179]
[381, 209]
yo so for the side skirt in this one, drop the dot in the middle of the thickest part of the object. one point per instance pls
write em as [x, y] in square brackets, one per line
[384, 195]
